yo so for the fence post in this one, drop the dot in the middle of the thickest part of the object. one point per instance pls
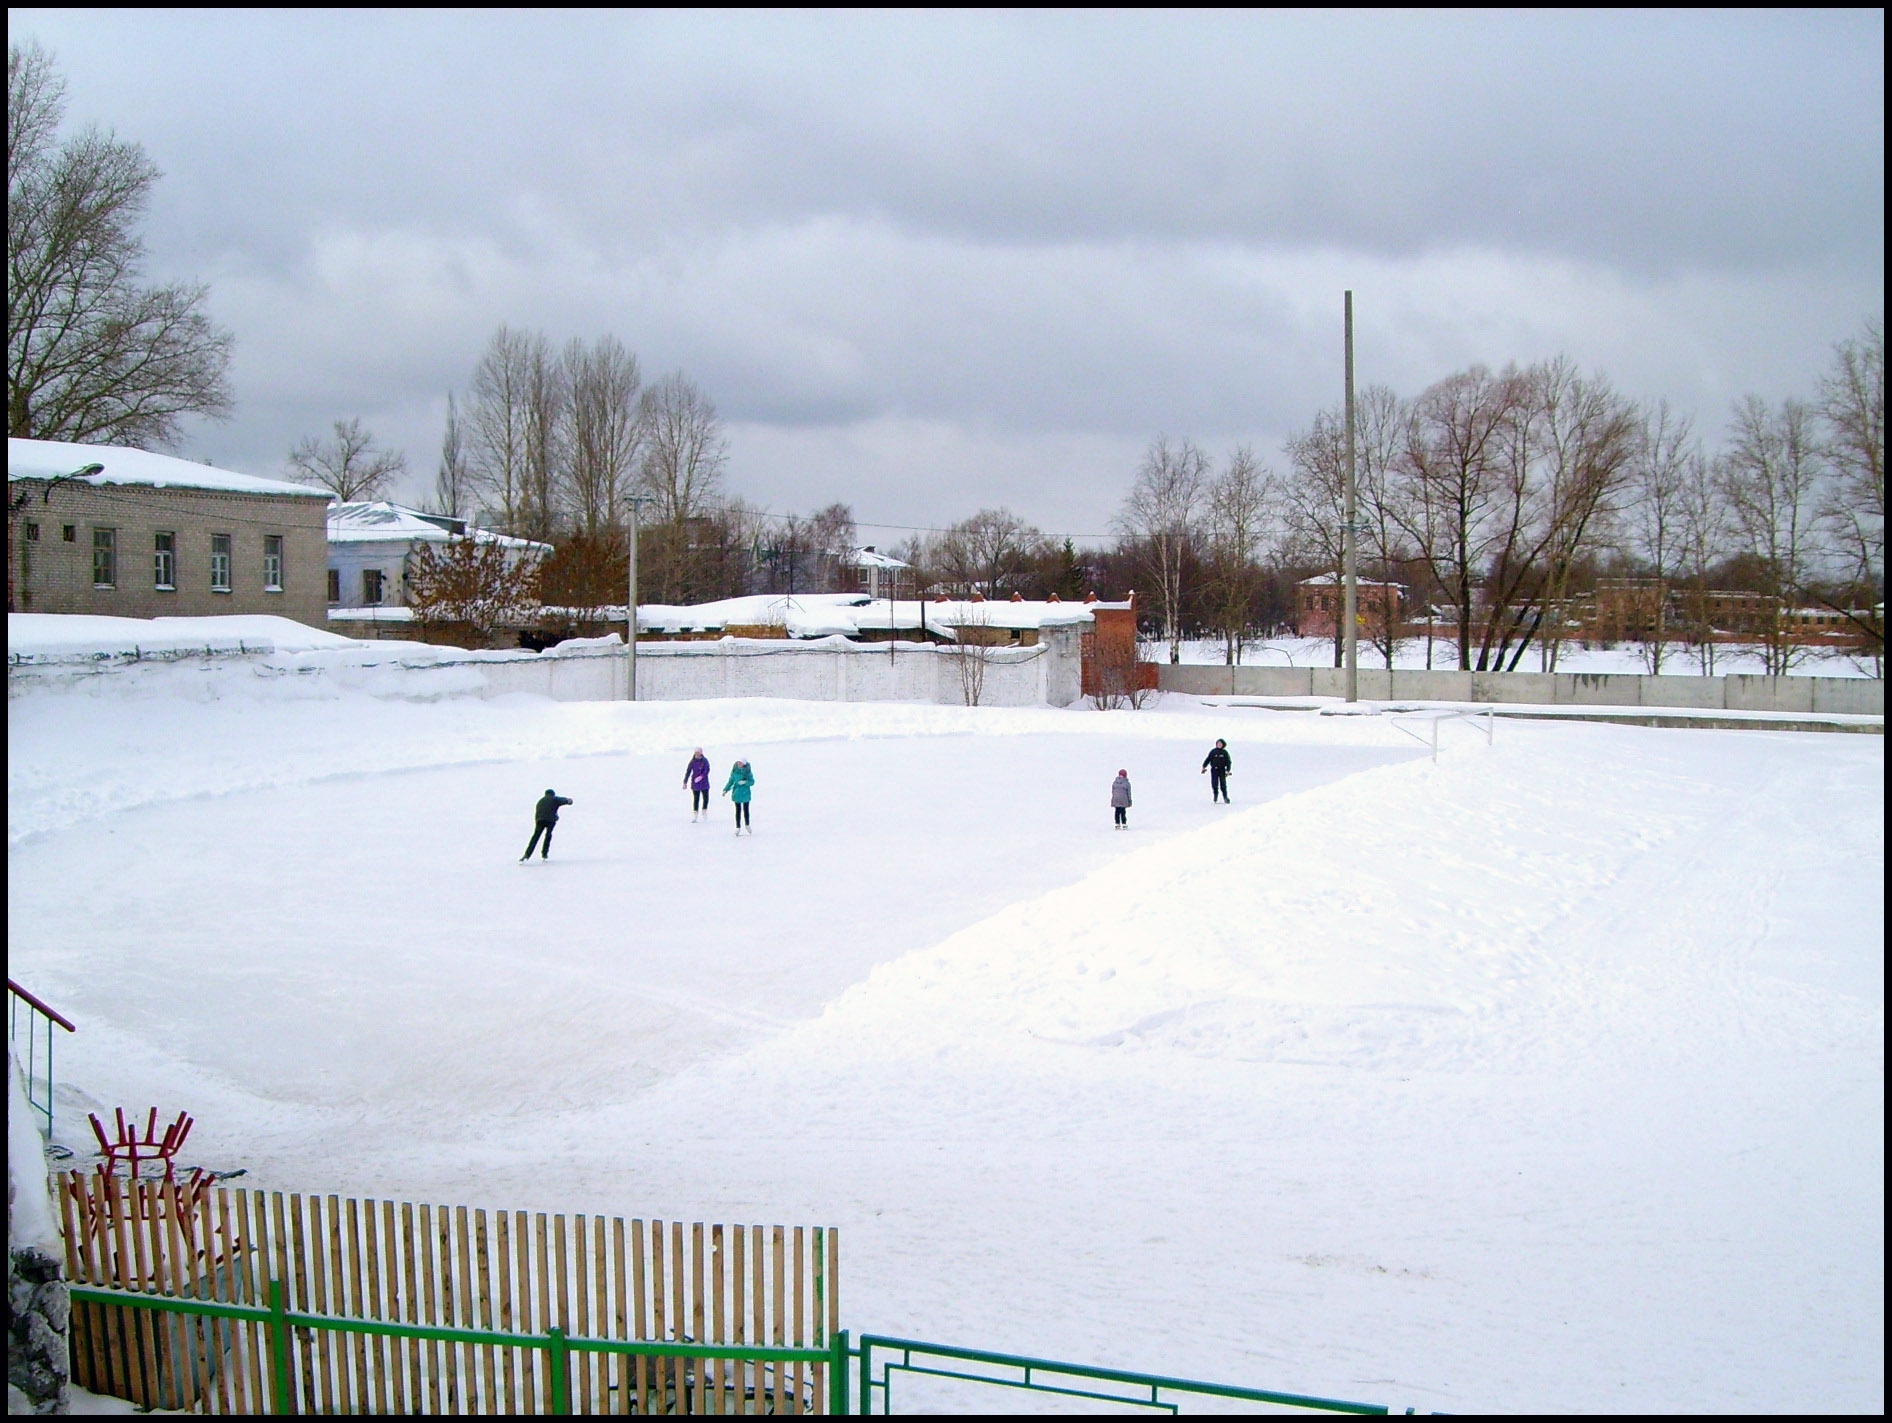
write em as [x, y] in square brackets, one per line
[561, 1390]
[837, 1374]
[867, 1373]
[278, 1349]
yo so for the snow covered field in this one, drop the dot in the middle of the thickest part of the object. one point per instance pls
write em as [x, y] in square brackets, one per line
[1628, 657]
[1547, 1077]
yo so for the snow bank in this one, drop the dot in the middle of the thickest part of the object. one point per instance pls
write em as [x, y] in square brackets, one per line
[50, 637]
[30, 1219]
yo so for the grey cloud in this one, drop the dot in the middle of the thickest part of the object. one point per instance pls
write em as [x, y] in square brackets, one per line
[887, 243]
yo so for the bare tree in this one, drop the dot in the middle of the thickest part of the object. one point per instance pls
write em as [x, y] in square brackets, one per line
[1771, 474]
[606, 430]
[1315, 502]
[1852, 406]
[1666, 452]
[682, 470]
[547, 429]
[1702, 544]
[1161, 514]
[348, 463]
[1239, 503]
[453, 480]
[971, 653]
[93, 354]
[990, 553]
[1565, 456]
[500, 427]
[1460, 445]
[1380, 419]
[469, 588]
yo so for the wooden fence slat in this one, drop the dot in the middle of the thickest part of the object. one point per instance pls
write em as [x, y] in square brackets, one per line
[375, 1345]
[800, 1337]
[458, 1310]
[620, 1319]
[529, 1360]
[719, 1317]
[194, 1372]
[321, 1341]
[148, 1339]
[483, 1272]
[225, 1265]
[738, 1238]
[696, 1308]
[413, 1385]
[758, 1303]
[543, 1265]
[248, 1256]
[777, 1255]
[641, 1365]
[679, 1313]
[510, 1402]
[579, 1283]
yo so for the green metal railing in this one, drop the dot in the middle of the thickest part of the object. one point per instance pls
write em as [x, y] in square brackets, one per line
[1149, 1389]
[278, 1320]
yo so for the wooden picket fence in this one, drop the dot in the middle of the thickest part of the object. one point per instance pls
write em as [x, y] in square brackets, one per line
[507, 1271]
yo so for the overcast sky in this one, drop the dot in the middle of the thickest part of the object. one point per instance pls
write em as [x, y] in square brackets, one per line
[925, 263]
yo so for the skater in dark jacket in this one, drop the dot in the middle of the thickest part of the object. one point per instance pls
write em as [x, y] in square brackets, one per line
[544, 819]
[739, 787]
[696, 777]
[1120, 799]
[1217, 763]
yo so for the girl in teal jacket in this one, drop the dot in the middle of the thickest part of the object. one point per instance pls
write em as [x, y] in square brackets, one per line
[738, 787]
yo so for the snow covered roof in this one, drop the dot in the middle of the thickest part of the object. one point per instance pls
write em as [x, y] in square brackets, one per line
[53, 635]
[849, 614]
[1328, 580]
[378, 521]
[870, 558]
[52, 459]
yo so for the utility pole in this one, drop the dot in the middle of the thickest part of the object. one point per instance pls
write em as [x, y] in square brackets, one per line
[1349, 551]
[636, 502]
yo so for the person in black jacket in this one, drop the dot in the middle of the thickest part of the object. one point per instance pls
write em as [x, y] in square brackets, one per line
[1217, 763]
[545, 819]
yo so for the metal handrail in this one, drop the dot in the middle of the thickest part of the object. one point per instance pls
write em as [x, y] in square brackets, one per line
[1155, 1383]
[278, 1320]
[39, 1009]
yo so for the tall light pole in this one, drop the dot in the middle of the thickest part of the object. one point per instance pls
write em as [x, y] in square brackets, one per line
[1350, 536]
[636, 501]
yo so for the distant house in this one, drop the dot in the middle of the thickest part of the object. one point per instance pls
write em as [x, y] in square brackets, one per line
[129, 533]
[370, 546]
[1319, 604]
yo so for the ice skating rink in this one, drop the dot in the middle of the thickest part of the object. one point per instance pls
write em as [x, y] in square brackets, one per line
[1546, 1077]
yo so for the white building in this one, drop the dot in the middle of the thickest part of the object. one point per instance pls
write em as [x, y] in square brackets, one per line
[370, 546]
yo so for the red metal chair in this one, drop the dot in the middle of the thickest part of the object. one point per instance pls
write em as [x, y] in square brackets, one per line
[130, 1148]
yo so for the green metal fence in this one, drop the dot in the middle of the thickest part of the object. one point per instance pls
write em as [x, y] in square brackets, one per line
[1152, 1391]
[277, 1321]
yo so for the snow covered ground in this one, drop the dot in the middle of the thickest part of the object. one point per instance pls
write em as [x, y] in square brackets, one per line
[1546, 1077]
[1571, 657]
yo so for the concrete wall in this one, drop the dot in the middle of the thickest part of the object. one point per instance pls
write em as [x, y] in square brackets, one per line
[1859, 695]
[55, 576]
[830, 669]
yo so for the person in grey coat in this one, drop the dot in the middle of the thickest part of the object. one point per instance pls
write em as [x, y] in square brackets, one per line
[1120, 799]
[544, 820]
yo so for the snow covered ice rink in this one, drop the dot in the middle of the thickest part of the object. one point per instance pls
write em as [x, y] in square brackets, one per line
[1547, 1077]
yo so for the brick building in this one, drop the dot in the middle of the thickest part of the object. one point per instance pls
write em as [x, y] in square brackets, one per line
[147, 535]
[1319, 604]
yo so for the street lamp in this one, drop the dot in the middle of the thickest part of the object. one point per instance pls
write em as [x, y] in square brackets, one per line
[635, 501]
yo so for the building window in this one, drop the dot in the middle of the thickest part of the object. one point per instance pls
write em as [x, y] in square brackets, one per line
[220, 563]
[371, 581]
[335, 585]
[164, 563]
[105, 558]
[272, 563]
[70, 533]
[32, 533]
